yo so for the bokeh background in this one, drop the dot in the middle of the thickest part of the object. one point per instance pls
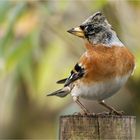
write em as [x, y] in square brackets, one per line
[36, 51]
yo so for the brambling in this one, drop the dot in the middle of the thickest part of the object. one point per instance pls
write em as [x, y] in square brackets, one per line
[103, 69]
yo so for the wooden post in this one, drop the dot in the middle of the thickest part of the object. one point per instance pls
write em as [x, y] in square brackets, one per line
[77, 127]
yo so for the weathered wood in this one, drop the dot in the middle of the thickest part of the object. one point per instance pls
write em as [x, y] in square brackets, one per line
[76, 127]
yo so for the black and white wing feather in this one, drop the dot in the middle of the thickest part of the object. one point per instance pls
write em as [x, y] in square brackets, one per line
[76, 74]
[62, 81]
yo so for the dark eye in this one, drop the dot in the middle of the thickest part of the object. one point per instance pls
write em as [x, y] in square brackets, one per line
[89, 28]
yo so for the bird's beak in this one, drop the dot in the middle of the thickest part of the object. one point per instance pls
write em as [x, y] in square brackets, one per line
[77, 31]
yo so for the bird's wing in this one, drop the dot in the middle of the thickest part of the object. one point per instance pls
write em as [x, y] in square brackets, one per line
[76, 74]
[61, 92]
[62, 81]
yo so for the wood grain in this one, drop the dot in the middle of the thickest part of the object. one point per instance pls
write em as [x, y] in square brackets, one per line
[77, 127]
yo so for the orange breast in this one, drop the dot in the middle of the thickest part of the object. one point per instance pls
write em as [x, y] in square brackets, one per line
[102, 63]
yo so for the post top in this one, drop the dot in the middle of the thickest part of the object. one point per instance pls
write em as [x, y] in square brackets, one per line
[97, 116]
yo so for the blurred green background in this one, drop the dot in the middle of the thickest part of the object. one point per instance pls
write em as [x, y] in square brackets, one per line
[36, 51]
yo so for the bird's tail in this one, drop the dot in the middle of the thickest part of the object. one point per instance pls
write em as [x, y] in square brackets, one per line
[61, 92]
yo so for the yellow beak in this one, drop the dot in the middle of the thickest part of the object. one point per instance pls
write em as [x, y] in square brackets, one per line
[77, 31]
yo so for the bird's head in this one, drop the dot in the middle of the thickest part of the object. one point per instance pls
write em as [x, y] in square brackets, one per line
[95, 29]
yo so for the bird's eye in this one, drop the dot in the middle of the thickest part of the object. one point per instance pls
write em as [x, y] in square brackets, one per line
[89, 28]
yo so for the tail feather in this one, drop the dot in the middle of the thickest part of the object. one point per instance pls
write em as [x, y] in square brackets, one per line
[61, 92]
[62, 81]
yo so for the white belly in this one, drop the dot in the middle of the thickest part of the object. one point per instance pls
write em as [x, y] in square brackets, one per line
[100, 90]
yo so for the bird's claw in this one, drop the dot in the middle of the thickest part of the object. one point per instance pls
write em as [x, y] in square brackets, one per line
[103, 114]
[119, 113]
[84, 114]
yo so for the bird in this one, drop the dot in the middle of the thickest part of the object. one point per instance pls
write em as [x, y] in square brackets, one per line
[102, 69]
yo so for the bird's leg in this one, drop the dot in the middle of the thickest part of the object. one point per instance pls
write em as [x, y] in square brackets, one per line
[76, 99]
[110, 108]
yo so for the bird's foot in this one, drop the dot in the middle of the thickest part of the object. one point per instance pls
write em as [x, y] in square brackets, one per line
[89, 114]
[119, 113]
[84, 113]
[77, 113]
[103, 114]
[115, 112]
